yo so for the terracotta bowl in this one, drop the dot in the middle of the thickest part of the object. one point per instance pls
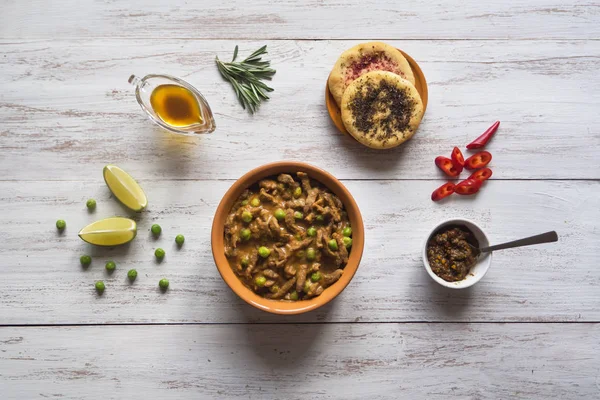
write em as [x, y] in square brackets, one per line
[420, 83]
[279, 306]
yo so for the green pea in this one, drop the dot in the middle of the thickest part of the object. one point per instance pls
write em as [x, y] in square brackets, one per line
[347, 242]
[333, 244]
[156, 229]
[159, 253]
[274, 289]
[298, 236]
[312, 232]
[61, 224]
[85, 260]
[246, 216]
[260, 281]
[90, 204]
[347, 231]
[163, 284]
[315, 277]
[179, 239]
[264, 252]
[298, 215]
[311, 254]
[255, 202]
[306, 287]
[245, 262]
[110, 266]
[297, 192]
[320, 218]
[132, 274]
[294, 295]
[245, 202]
[245, 234]
[100, 287]
[279, 214]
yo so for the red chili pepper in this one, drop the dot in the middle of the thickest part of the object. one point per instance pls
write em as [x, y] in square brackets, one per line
[478, 160]
[446, 165]
[485, 137]
[467, 187]
[481, 175]
[457, 158]
[443, 191]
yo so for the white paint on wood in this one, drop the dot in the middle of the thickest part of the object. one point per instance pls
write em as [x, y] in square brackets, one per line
[322, 361]
[44, 282]
[67, 110]
[312, 19]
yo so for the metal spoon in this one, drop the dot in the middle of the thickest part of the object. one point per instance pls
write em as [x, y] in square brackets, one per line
[547, 237]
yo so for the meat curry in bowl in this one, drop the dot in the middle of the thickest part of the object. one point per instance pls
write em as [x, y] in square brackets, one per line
[287, 237]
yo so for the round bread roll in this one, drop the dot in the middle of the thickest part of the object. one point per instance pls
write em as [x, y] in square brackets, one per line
[381, 110]
[363, 58]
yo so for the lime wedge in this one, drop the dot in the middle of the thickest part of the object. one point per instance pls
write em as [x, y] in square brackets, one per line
[109, 232]
[125, 188]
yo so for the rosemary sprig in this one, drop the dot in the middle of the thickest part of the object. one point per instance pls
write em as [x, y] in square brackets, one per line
[246, 77]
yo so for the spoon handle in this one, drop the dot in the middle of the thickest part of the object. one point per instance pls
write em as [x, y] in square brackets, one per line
[547, 237]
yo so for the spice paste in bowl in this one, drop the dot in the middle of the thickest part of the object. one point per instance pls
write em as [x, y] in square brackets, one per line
[450, 254]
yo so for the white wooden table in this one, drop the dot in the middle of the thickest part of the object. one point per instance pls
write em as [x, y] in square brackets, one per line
[530, 329]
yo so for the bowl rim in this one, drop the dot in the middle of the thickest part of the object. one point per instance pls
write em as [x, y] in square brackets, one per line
[486, 260]
[236, 285]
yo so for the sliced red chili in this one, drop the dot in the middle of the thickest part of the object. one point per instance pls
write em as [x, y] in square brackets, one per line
[478, 160]
[443, 191]
[446, 165]
[457, 158]
[485, 137]
[467, 187]
[482, 174]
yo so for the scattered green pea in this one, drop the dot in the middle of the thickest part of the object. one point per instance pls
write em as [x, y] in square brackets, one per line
[179, 239]
[298, 236]
[311, 254]
[298, 215]
[264, 252]
[347, 231]
[315, 277]
[90, 204]
[245, 262]
[306, 287]
[260, 281]
[85, 260]
[320, 218]
[245, 202]
[61, 224]
[347, 242]
[333, 244]
[246, 216]
[163, 284]
[132, 274]
[110, 266]
[100, 287]
[312, 232]
[279, 214]
[156, 229]
[255, 202]
[274, 289]
[245, 234]
[294, 295]
[297, 192]
[159, 253]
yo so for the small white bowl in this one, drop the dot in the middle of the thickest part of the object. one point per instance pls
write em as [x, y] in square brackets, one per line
[477, 271]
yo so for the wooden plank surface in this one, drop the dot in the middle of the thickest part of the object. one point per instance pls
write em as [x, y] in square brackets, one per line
[313, 19]
[285, 361]
[67, 110]
[44, 283]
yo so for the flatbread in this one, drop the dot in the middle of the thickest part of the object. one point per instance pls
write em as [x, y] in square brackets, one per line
[363, 58]
[381, 110]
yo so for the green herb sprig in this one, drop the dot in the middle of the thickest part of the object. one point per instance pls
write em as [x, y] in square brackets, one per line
[246, 77]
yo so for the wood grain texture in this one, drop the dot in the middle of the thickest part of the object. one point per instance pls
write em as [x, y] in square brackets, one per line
[67, 110]
[323, 361]
[313, 19]
[44, 283]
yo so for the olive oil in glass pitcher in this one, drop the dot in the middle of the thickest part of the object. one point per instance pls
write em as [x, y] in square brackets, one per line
[173, 104]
